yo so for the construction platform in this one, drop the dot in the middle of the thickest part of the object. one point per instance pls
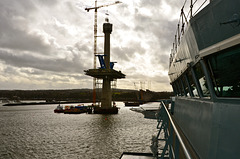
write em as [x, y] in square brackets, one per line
[100, 110]
[102, 73]
[112, 110]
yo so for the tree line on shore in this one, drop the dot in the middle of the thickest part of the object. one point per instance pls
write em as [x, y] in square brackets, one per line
[85, 95]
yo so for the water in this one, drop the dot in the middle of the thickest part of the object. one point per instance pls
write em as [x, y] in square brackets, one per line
[37, 132]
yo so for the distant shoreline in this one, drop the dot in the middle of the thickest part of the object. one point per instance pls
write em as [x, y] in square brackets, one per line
[62, 102]
[42, 103]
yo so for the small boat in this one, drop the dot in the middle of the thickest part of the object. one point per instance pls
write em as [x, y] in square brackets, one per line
[59, 109]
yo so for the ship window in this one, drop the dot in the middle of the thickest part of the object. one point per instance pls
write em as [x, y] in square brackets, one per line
[225, 72]
[202, 80]
[178, 88]
[185, 86]
[192, 84]
[174, 89]
[181, 87]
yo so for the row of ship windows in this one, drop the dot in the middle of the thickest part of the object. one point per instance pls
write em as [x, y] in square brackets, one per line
[186, 85]
[223, 70]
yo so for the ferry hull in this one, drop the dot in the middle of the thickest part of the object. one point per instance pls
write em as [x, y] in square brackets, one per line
[209, 120]
[211, 128]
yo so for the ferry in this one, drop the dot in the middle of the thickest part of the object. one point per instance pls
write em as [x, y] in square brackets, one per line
[205, 76]
[204, 70]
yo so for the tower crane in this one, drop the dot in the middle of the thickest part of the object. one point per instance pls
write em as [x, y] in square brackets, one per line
[95, 40]
[97, 7]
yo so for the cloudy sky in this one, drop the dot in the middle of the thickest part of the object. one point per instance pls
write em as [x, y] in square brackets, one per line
[47, 44]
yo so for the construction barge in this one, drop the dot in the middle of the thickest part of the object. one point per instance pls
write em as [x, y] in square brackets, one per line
[79, 109]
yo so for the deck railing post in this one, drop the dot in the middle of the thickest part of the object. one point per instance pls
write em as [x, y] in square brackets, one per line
[171, 141]
[191, 8]
[172, 105]
[176, 152]
[172, 138]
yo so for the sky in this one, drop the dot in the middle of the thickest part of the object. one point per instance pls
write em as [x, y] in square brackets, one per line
[47, 44]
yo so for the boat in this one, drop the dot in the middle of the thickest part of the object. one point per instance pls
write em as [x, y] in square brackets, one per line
[148, 112]
[204, 71]
[75, 109]
[59, 109]
[205, 75]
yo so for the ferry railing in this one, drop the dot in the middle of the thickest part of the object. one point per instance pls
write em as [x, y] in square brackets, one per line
[183, 22]
[174, 147]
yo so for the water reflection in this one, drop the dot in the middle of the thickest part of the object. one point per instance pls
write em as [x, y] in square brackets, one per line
[36, 132]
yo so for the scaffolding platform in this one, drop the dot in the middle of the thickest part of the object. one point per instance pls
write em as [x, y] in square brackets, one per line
[102, 73]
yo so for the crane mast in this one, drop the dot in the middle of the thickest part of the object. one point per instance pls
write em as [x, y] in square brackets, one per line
[95, 52]
[95, 41]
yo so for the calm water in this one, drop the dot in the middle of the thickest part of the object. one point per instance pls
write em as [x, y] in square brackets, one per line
[37, 132]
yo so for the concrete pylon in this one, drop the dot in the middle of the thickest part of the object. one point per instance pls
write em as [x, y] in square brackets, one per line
[107, 73]
[106, 101]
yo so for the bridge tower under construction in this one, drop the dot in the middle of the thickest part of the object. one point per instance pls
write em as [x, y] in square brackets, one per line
[107, 74]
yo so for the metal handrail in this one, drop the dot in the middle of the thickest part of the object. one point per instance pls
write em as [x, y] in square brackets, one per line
[182, 20]
[187, 154]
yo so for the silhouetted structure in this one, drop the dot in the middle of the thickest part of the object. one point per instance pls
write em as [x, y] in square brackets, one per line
[107, 73]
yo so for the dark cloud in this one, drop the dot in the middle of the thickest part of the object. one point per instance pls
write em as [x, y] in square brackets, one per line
[14, 7]
[14, 30]
[121, 53]
[82, 47]
[159, 30]
[21, 40]
[32, 71]
[47, 2]
[124, 10]
[162, 59]
[127, 53]
[161, 79]
[150, 3]
[155, 4]
[160, 27]
[9, 70]
[47, 64]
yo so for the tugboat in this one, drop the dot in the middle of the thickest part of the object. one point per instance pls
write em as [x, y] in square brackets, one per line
[59, 109]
